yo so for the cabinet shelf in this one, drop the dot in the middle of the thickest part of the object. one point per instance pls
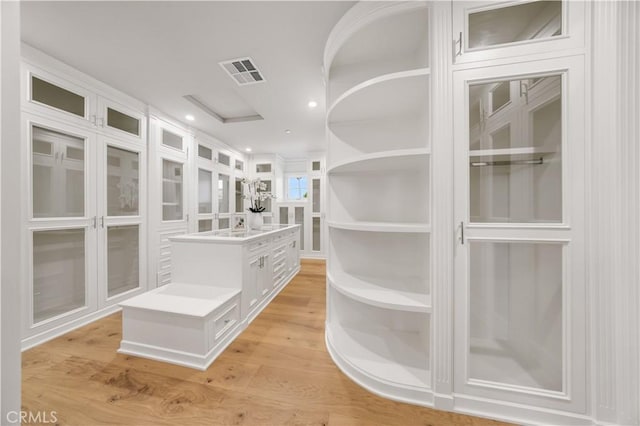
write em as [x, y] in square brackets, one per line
[396, 94]
[401, 159]
[389, 355]
[373, 40]
[513, 153]
[382, 226]
[381, 292]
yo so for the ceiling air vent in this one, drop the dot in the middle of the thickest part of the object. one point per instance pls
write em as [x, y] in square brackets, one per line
[243, 71]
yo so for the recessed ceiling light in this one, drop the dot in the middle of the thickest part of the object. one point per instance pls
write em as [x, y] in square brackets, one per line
[312, 104]
[248, 149]
[288, 131]
[189, 117]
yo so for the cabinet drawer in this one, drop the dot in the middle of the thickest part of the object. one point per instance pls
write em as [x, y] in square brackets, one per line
[279, 267]
[279, 252]
[258, 245]
[279, 277]
[280, 236]
[229, 317]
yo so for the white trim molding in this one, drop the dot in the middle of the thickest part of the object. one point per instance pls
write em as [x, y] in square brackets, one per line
[615, 209]
[442, 222]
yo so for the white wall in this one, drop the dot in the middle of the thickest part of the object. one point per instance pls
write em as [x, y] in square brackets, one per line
[10, 214]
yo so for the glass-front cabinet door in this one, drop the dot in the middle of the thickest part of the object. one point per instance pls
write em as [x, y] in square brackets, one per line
[519, 285]
[486, 30]
[120, 221]
[61, 211]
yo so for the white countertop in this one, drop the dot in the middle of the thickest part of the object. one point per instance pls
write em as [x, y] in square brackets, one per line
[183, 299]
[232, 236]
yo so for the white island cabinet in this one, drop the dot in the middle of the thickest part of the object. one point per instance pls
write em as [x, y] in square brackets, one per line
[221, 280]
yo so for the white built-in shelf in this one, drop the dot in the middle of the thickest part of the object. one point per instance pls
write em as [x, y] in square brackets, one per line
[168, 180]
[392, 356]
[383, 161]
[396, 94]
[373, 40]
[382, 226]
[382, 292]
[524, 153]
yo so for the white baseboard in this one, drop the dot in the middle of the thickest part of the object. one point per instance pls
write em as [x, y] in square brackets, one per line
[45, 336]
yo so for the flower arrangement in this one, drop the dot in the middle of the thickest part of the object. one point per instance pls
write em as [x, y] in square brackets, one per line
[256, 193]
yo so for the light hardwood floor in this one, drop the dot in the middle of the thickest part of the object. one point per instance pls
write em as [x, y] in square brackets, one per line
[277, 372]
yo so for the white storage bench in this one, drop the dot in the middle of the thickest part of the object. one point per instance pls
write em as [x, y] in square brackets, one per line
[184, 324]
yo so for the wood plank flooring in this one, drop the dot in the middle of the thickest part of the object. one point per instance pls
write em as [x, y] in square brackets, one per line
[276, 373]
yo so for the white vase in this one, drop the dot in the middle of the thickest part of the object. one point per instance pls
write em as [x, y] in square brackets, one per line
[254, 220]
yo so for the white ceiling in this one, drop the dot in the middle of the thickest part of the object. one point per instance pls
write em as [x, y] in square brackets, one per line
[160, 51]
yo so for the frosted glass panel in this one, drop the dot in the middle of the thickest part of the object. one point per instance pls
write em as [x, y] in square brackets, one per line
[223, 194]
[204, 152]
[123, 259]
[298, 217]
[284, 215]
[315, 189]
[122, 182]
[516, 154]
[224, 159]
[205, 191]
[315, 166]
[57, 97]
[515, 317]
[123, 122]
[239, 199]
[58, 272]
[171, 139]
[223, 223]
[205, 225]
[263, 168]
[528, 21]
[171, 190]
[315, 234]
[239, 165]
[58, 174]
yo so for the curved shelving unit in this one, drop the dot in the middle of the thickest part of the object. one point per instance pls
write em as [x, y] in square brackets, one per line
[381, 226]
[378, 365]
[382, 161]
[379, 292]
[375, 39]
[404, 93]
[378, 197]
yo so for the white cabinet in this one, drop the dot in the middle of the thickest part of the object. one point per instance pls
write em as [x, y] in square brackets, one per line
[76, 101]
[170, 198]
[317, 226]
[219, 192]
[269, 168]
[295, 213]
[222, 280]
[378, 199]
[259, 280]
[86, 236]
[519, 290]
[486, 311]
[489, 30]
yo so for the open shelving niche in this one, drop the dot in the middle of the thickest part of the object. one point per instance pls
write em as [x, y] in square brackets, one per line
[378, 169]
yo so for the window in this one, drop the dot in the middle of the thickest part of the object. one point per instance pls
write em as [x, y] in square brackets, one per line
[297, 187]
